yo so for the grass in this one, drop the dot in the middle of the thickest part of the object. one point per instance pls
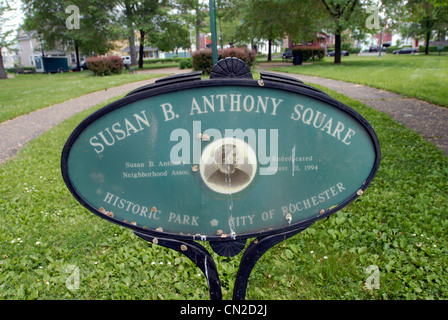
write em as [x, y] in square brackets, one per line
[26, 93]
[418, 76]
[399, 225]
[160, 65]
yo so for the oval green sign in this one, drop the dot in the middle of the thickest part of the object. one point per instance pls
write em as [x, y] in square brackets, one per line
[220, 158]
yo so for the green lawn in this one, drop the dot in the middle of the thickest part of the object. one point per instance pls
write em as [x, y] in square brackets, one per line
[26, 92]
[160, 65]
[399, 225]
[418, 76]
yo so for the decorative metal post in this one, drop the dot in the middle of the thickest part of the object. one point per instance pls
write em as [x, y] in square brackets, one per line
[213, 32]
[123, 163]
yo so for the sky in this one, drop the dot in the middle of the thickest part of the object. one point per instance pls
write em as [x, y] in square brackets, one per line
[16, 15]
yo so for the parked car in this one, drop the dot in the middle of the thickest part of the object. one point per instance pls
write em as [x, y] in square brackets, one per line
[405, 51]
[126, 60]
[82, 66]
[343, 53]
[375, 49]
[287, 54]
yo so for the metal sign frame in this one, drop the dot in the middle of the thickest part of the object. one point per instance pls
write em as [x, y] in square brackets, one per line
[226, 72]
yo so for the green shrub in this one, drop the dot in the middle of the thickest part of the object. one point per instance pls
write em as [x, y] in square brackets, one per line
[391, 49]
[349, 47]
[202, 59]
[310, 52]
[186, 63]
[421, 49]
[432, 48]
[164, 60]
[12, 70]
[104, 66]
[354, 50]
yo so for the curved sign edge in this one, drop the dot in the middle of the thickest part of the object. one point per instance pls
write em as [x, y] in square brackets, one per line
[159, 89]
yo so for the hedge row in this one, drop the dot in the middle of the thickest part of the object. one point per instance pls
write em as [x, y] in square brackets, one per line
[202, 59]
[104, 66]
[432, 48]
[393, 48]
[351, 50]
[310, 52]
[421, 49]
[14, 69]
[184, 63]
[152, 61]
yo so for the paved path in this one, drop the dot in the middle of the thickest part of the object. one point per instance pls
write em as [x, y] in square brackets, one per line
[15, 133]
[430, 121]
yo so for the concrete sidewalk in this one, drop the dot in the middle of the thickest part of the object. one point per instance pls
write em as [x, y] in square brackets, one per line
[15, 133]
[429, 120]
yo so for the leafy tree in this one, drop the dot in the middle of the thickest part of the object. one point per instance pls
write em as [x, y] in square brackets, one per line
[156, 24]
[271, 20]
[126, 20]
[227, 19]
[358, 35]
[419, 18]
[145, 14]
[96, 24]
[170, 32]
[384, 20]
[438, 3]
[425, 17]
[341, 16]
[195, 14]
[4, 34]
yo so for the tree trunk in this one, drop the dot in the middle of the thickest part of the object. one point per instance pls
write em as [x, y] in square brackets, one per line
[198, 39]
[132, 51]
[337, 48]
[269, 50]
[198, 30]
[2, 67]
[78, 63]
[380, 49]
[428, 37]
[254, 46]
[129, 23]
[142, 49]
[220, 34]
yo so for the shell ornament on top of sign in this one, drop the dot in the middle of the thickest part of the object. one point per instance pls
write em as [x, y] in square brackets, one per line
[221, 159]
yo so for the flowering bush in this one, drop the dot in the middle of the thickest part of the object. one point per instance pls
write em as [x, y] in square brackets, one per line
[248, 56]
[104, 66]
[202, 59]
[116, 64]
